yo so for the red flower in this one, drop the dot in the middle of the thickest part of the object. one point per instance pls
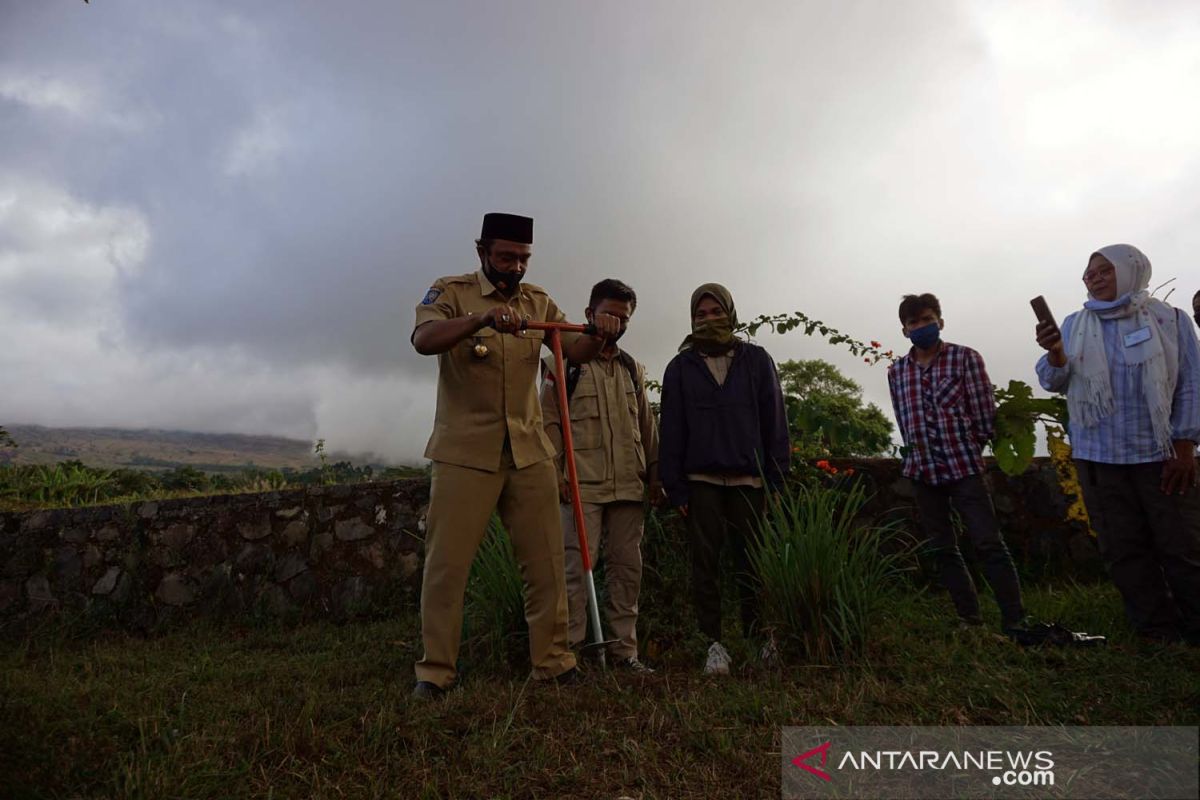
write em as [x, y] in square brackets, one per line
[876, 344]
[823, 464]
[833, 470]
[867, 360]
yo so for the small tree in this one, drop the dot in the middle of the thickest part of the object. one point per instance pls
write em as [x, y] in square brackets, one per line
[6, 439]
[826, 414]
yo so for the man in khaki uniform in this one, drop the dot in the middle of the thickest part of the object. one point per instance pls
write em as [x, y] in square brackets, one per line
[488, 448]
[616, 453]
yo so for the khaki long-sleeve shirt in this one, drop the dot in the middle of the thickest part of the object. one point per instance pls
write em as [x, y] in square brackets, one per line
[613, 427]
[489, 394]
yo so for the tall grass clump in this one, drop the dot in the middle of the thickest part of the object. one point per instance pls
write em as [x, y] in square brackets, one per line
[824, 577]
[495, 612]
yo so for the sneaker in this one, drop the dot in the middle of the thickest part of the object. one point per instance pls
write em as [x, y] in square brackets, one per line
[718, 662]
[769, 654]
[1032, 634]
[632, 664]
[425, 690]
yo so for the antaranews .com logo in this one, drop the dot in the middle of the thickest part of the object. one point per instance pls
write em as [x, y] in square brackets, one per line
[995, 762]
[1006, 767]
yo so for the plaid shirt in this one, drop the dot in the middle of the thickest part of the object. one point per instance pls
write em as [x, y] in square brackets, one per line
[946, 412]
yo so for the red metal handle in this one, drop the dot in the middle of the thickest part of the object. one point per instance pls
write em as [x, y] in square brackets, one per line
[564, 415]
[569, 327]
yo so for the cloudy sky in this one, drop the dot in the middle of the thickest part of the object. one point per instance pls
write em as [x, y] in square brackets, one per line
[218, 216]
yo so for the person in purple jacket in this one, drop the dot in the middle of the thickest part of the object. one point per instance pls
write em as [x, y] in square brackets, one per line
[723, 445]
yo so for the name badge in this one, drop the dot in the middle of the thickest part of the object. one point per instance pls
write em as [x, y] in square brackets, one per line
[1137, 337]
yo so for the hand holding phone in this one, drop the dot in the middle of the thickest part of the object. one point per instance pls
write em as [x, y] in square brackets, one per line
[1042, 310]
[1048, 335]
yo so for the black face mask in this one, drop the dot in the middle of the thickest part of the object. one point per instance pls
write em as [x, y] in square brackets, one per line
[507, 282]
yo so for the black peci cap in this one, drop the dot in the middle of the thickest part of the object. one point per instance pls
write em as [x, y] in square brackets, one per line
[511, 227]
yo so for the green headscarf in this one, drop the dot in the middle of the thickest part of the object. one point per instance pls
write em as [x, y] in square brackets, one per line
[712, 336]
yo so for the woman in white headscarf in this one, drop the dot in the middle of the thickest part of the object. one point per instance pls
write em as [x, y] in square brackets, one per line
[1130, 367]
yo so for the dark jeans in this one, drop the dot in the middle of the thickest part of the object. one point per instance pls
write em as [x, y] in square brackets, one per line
[970, 499]
[717, 514]
[1150, 543]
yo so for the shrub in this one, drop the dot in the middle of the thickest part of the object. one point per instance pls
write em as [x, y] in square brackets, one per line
[68, 483]
[185, 478]
[824, 578]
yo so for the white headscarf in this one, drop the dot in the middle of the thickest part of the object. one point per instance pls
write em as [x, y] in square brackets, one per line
[1089, 394]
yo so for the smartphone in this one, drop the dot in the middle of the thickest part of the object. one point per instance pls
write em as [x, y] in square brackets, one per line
[1042, 310]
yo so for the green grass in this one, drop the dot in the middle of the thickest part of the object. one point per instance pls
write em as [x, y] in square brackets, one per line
[323, 710]
[823, 578]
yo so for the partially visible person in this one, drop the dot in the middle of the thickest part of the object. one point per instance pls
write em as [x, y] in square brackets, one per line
[724, 446]
[946, 409]
[489, 451]
[616, 455]
[1130, 366]
[1196, 307]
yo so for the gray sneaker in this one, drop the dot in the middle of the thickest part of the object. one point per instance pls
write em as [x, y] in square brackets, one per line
[718, 662]
[769, 654]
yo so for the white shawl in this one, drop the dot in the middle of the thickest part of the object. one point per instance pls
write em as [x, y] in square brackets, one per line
[1089, 393]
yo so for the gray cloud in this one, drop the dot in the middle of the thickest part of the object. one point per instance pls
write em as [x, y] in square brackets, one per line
[220, 216]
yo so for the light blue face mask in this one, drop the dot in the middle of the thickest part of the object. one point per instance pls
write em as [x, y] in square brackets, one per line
[926, 337]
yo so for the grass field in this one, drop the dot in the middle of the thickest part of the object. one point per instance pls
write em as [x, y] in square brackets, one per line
[323, 710]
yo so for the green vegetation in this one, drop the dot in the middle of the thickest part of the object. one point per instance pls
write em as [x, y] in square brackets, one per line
[870, 352]
[71, 483]
[822, 428]
[825, 580]
[1018, 413]
[826, 415]
[113, 448]
[323, 710]
[495, 624]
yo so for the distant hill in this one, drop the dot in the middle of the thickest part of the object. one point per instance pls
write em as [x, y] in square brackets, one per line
[159, 449]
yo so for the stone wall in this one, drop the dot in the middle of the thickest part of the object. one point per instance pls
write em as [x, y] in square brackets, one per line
[338, 550]
[1031, 511]
[323, 551]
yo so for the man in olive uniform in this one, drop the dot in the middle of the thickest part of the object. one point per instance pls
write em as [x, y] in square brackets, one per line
[616, 453]
[488, 448]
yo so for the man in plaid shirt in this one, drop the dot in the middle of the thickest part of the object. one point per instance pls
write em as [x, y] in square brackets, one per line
[946, 410]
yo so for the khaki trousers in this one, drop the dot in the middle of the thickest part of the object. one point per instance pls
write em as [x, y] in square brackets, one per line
[460, 504]
[618, 527]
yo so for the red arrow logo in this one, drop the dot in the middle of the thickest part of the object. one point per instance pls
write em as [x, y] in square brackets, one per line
[823, 751]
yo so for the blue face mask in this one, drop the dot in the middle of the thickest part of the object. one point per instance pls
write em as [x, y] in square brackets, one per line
[926, 337]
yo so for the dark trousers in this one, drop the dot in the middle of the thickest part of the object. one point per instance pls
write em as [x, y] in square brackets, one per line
[970, 499]
[719, 514]
[1150, 543]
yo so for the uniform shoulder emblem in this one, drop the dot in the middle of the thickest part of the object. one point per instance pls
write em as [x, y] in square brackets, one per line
[431, 296]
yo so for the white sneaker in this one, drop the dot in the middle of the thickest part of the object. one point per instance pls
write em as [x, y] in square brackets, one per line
[718, 662]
